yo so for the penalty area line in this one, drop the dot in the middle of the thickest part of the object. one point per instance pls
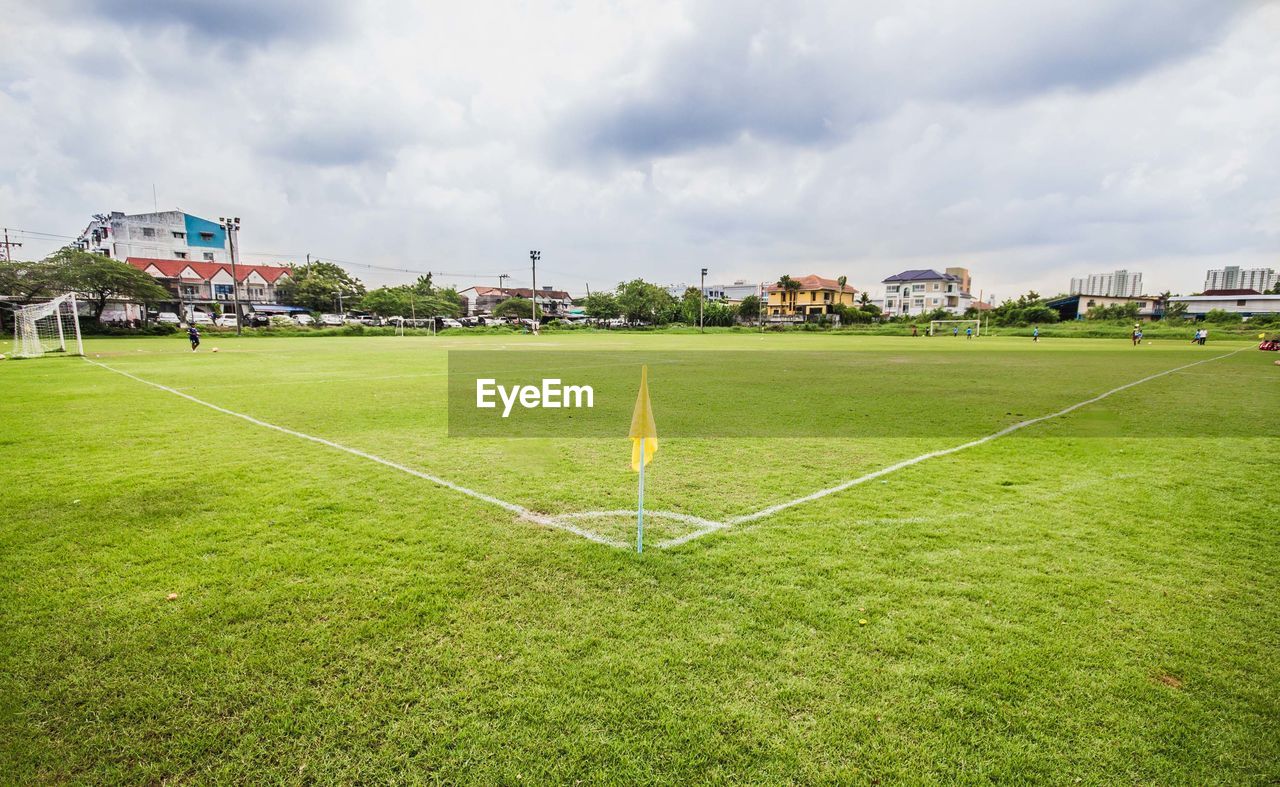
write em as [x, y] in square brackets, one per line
[518, 510]
[831, 490]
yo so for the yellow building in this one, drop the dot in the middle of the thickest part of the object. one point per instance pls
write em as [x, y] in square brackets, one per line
[808, 297]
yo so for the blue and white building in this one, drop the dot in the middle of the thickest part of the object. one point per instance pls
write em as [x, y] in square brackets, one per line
[168, 235]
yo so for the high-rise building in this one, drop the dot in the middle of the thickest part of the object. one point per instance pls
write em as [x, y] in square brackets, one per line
[1118, 284]
[1233, 277]
[167, 235]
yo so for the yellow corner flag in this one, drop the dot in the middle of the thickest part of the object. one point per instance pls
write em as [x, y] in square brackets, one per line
[643, 431]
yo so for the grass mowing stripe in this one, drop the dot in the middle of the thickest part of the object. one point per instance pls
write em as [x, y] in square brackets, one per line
[518, 510]
[821, 493]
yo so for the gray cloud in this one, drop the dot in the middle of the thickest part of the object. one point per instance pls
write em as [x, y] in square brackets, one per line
[813, 75]
[245, 22]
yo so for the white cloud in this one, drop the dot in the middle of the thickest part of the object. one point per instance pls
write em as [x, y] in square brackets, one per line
[652, 139]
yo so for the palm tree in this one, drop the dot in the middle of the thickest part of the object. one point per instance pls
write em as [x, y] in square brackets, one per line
[789, 289]
[864, 299]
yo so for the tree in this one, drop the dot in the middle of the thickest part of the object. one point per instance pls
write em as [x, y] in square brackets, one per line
[749, 308]
[100, 279]
[601, 306]
[641, 301]
[389, 301]
[689, 303]
[864, 300]
[1222, 316]
[24, 282]
[316, 287]
[514, 307]
[789, 289]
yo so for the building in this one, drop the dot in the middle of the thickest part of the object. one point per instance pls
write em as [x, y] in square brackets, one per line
[1244, 305]
[167, 235]
[199, 286]
[926, 290]
[712, 292]
[482, 300]
[1118, 284]
[1233, 277]
[814, 298]
[1076, 307]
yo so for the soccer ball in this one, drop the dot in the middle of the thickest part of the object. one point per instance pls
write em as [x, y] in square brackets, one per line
[215, 349]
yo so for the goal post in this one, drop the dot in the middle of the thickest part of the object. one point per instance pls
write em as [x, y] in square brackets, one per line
[940, 325]
[50, 327]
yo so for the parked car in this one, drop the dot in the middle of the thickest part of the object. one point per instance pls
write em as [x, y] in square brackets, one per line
[372, 320]
[448, 322]
[168, 318]
[226, 321]
[331, 319]
[494, 321]
[469, 322]
[304, 320]
[201, 318]
[258, 320]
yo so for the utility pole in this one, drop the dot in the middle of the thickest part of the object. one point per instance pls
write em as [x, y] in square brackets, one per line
[702, 297]
[232, 226]
[534, 256]
[502, 276]
[8, 245]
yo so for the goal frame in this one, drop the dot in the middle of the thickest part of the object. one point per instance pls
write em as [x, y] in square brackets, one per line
[977, 325]
[29, 342]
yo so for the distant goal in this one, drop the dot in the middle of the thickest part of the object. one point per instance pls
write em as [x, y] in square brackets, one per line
[954, 326]
[50, 327]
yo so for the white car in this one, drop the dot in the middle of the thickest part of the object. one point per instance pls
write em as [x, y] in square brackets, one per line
[226, 321]
[168, 318]
[303, 320]
[201, 318]
[449, 322]
[331, 319]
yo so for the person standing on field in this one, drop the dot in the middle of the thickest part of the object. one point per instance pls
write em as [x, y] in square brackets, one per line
[956, 331]
[193, 333]
[968, 333]
[913, 331]
[1204, 336]
[1035, 334]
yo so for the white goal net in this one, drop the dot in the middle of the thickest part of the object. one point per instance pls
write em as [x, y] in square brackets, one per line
[955, 327]
[50, 327]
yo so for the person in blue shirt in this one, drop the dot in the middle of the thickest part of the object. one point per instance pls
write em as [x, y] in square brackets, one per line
[956, 331]
[193, 333]
[968, 333]
[1035, 334]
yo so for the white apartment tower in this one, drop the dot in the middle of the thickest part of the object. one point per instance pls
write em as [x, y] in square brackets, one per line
[1118, 284]
[1233, 277]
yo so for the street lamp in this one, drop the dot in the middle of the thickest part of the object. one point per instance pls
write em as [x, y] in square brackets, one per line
[232, 226]
[534, 256]
[702, 297]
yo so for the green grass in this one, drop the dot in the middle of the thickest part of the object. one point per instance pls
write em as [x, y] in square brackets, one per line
[1091, 599]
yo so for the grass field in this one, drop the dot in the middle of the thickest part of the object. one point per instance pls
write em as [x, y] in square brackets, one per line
[1091, 597]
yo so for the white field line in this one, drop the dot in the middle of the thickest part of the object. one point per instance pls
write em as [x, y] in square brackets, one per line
[518, 510]
[821, 493]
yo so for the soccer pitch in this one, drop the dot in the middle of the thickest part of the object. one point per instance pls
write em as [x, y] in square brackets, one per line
[974, 594]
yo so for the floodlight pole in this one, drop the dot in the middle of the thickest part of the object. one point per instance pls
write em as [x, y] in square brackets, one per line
[232, 226]
[702, 297]
[534, 256]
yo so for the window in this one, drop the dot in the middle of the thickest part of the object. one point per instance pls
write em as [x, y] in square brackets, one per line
[933, 286]
[222, 292]
[206, 236]
[179, 235]
[917, 288]
[888, 304]
[891, 288]
[826, 296]
[208, 255]
[182, 255]
[918, 301]
[148, 232]
[1240, 302]
[934, 301]
[813, 296]
[190, 290]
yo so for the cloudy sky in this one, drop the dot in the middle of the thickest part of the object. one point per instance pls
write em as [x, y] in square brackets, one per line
[1030, 142]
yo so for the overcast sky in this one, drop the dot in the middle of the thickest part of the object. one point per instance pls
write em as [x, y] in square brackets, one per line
[1030, 142]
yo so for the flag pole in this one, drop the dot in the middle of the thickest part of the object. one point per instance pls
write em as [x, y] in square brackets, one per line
[640, 509]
